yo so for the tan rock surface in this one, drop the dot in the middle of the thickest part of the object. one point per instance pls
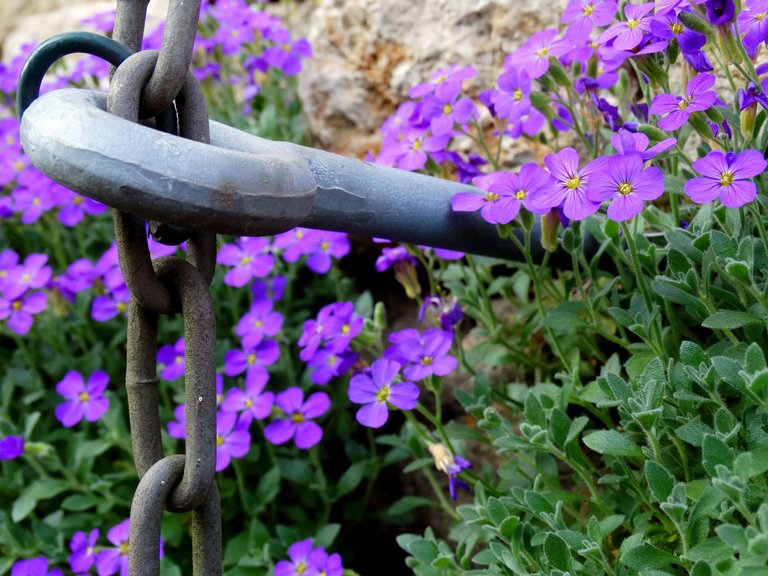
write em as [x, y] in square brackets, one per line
[368, 54]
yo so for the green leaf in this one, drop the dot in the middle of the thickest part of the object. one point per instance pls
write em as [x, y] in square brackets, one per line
[79, 502]
[660, 481]
[647, 557]
[730, 319]
[693, 432]
[22, 507]
[557, 552]
[418, 464]
[612, 443]
[269, 486]
[693, 355]
[351, 478]
[326, 535]
[46, 488]
[714, 451]
[406, 504]
[534, 412]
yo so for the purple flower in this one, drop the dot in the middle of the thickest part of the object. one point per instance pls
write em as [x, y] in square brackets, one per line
[253, 402]
[325, 564]
[443, 109]
[725, 175]
[328, 364]
[83, 400]
[325, 247]
[107, 306]
[270, 289]
[626, 142]
[83, 551]
[287, 55]
[409, 152]
[32, 274]
[533, 56]
[252, 361]
[260, 321]
[172, 359]
[584, 15]
[78, 278]
[73, 207]
[112, 560]
[232, 438]
[570, 188]
[628, 35]
[453, 74]
[34, 567]
[753, 23]
[452, 465]
[698, 97]
[622, 180]
[428, 355]
[375, 390]
[669, 26]
[720, 12]
[449, 313]
[342, 327]
[33, 196]
[177, 428]
[249, 257]
[11, 447]
[19, 312]
[512, 99]
[299, 563]
[297, 420]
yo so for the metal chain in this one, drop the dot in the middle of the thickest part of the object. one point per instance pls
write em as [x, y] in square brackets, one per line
[145, 84]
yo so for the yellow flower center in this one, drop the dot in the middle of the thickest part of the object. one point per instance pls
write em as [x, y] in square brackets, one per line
[178, 359]
[9, 140]
[324, 246]
[84, 397]
[760, 16]
[726, 178]
[121, 306]
[251, 359]
[491, 197]
[624, 188]
[219, 439]
[683, 104]
[417, 144]
[677, 28]
[287, 47]
[594, 45]
[234, 33]
[124, 549]
[258, 324]
[301, 567]
[245, 260]
[36, 201]
[543, 52]
[427, 361]
[521, 194]
[332, 360]
[588, 9]
[77, 200]
[447, 109]
[299, 234]
[345, 329]
[248, 402]
[517, 95]
[26, 277]
[632, 23]
[573, 182]
[16, 306]
[18, 165]
[442, 79]
[383, 394]
[297, 417]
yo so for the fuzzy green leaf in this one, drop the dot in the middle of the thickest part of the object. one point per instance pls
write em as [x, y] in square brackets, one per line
[647, 557]
[557, 552]
[612, 443]
[714, 451]
[730, 319]
[660, 481]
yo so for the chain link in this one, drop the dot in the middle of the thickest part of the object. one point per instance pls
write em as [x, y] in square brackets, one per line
[145, 84]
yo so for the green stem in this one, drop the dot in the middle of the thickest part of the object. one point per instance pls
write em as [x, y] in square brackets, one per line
[322, 484]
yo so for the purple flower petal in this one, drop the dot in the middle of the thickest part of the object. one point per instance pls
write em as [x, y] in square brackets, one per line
[308, 434]
[373, 415]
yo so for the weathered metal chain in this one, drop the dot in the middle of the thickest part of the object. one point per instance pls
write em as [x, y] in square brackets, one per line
[145, 84]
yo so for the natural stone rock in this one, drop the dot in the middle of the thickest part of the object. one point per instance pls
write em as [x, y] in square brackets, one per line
[23, 21]
[369, 53]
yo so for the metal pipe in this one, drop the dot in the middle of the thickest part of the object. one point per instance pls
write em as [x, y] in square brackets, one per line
[245, 185]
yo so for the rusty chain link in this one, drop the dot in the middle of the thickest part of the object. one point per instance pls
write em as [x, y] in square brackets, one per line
[144, 85]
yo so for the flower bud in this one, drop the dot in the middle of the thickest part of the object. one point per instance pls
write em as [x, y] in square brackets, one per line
[695, 22]
[550, 225]
[380, 316]
[655, 134]
[747, 121]
[714, 114]
[700, 124]
[558, 72]
[405, 273]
